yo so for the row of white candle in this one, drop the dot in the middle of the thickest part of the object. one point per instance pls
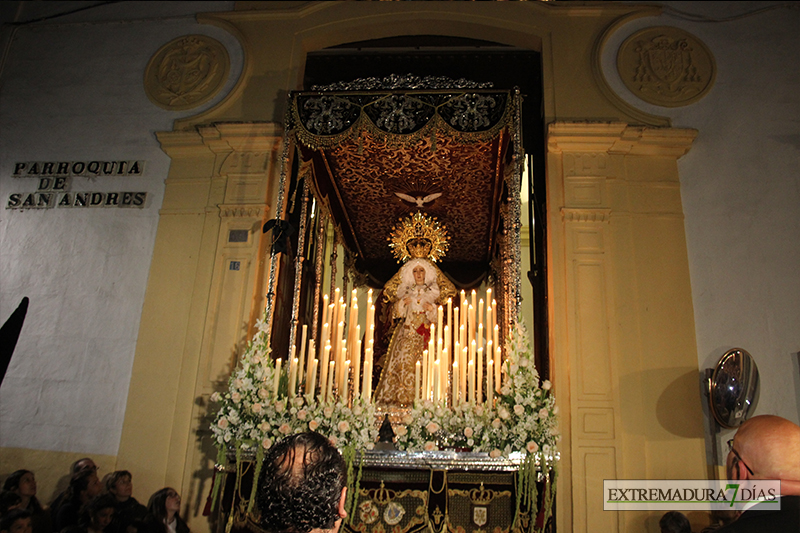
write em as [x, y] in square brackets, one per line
[451, 369]
[336, 359]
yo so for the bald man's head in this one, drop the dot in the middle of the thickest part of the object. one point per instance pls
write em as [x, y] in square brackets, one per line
[770, 446]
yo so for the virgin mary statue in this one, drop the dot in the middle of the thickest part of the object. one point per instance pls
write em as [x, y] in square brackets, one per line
[414, 294]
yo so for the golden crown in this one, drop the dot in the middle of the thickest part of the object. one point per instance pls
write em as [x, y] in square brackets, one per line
[418, 235]
[481, 496]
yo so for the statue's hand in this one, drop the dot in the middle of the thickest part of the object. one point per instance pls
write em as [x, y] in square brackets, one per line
[427, 306]
[407, 300]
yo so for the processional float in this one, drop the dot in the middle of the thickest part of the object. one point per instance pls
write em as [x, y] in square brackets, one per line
[393, 298]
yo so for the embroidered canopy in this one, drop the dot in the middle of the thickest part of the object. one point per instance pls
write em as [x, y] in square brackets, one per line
[379, 155]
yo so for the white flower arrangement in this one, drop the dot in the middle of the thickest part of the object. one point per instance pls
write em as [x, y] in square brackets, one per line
[250, 414]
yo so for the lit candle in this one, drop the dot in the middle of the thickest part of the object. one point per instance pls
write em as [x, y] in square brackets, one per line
[312, 351]
[417, 381]
[490, 382]
[473, 307]
[357, 368]
[301, 358]
[370, 316]
[497, 365]
[436, 381]
[292, 377]
[489, 306]
[424, 374]
[480, 312]
[366, 381]
[496, 336]
[343, 393]
[325, 317]
[371, 353]
[323, 372]
[450, 313]
[292, 372]
[456, 329]
[333, 316]
[445, 366]
[494, 317]
[470, 325]
[277, 380]
[479, 380]
[329, 390]
[313, 379]
[464, 371]
[456, 378]
[341, 369]
[338, 346]
[439, 323]
[471, 372]
[479, 337]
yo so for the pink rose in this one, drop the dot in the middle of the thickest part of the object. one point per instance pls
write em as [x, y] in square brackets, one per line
[468, 432]
[285, 429]
[430, 446]
[494, 454]
[543, 413]
[519, 410]
[257, 408]
[302, 414]
[267, 443]
[313, 425]
[532, 447]
[546, 384]
[432, 427]
[222, 423]
[343, 426]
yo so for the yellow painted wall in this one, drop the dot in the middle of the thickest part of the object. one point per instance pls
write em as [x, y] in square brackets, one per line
[622, 335]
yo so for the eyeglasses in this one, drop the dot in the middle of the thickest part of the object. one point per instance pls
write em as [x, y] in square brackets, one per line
[738, 457]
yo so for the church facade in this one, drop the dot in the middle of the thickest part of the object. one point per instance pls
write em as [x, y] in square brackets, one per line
[134, 193]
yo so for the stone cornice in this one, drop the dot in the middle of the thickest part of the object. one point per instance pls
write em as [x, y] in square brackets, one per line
[243, 210]
[221, 138]
[585, 215]
[618, 138]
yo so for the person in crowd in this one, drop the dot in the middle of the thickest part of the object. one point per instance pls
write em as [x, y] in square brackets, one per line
[303, 486]
[9, 500]
[95, 516]
[674, 522]
[120, 485]
[163, 512]
[767, 447]
[23, 482]
[83, 486]
[84, 463]
[16, 521]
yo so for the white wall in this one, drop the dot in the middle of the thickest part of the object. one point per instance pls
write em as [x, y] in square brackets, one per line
[740, 188]
[74, 92]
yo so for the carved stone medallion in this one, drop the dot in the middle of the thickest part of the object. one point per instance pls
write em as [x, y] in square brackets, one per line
[666, 66]
[186, 72]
